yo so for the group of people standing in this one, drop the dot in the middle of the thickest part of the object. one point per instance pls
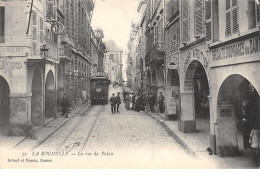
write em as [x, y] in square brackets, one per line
[139, 102]
[150, 101]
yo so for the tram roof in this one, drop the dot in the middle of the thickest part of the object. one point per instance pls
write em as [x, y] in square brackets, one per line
[99, 78]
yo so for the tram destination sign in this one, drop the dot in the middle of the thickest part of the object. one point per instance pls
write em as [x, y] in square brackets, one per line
[246, 47]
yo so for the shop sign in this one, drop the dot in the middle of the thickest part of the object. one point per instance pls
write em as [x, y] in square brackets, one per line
[247, 47]
[226, 106]
[12, 51]
[225, 103]
[226, 112]
[172, 107]
[10, 64]
[188, 86]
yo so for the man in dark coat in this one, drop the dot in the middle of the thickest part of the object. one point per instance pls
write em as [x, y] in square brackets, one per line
[151, 102]
[249, 109]
[160, 102]
[65, 105]
[133, 101]
[124, 94]
[113, 103]
[118, 101]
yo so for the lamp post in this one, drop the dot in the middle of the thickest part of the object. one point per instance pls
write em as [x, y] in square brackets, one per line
[44, 54]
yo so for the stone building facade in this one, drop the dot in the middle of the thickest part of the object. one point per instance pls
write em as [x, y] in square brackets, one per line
[210, 65]
[37, 66]
[113, 62]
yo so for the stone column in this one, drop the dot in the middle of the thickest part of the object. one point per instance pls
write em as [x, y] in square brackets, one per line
[212, 126]
[187, 122]
[20, 113]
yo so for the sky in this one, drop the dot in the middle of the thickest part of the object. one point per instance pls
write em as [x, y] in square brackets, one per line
[115, 17]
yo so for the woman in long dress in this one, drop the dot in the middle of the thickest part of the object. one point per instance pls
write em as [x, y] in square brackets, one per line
[127, 101]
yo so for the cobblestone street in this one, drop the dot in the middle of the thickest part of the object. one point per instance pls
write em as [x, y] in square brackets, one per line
[127, 139]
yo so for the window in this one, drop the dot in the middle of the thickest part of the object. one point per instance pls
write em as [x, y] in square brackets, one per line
[2, 24]
[253, 14]
[208, 20]
[50, 9]
[172, 8]
[232, 25]
[185, 21]
[34, 33]
[198, 14]
[41, 30]
[173, 38]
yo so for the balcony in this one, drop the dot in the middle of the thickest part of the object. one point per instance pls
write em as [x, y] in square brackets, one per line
[65, 53]
[155, 56]
[53, 50]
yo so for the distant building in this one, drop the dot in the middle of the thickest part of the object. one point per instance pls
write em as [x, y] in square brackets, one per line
[113, 62]
[133, 63]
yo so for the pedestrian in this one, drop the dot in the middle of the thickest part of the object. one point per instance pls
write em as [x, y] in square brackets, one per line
[118, 101]
[152, 101]
[205, 105]
[142, 108]
[138, 103]
[124, 94]
[113, 103]
[160, 102]
[146, 101]
[133, 101]
[249, 110]
[65, 105]
[254, 141]
[127, 101]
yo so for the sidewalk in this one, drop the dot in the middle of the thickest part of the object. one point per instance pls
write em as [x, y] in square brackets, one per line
[41, 133]
[197, 143]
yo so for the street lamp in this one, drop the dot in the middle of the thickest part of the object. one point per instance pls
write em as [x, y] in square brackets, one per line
[44, 52]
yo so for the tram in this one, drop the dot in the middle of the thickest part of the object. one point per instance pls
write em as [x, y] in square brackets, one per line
[99, 86]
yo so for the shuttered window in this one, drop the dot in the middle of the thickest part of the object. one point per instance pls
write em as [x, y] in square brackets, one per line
[208, 20]
[198, 14]
[258, 13]
[50, 9]
[41, 30]
[34, 33]
[232, 24]
[160, 31]
[2, 24]
[169, 8]
[185, 21]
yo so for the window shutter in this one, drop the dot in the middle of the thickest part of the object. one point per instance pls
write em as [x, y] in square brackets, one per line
[198, 18]
[235, 26]
[232, 25]
[169, 10]
[227, 4]
[34, 33]
[208, 19]
[185, 21]
[50, 9]
[228, 24]
[41, 30]
[258, 13]
[160, 31]
[175, 5]
[228, 18]
[2, 24]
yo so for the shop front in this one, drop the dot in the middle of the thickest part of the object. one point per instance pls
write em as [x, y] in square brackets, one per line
[195, 90]
[234, 71]
[172, 87]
